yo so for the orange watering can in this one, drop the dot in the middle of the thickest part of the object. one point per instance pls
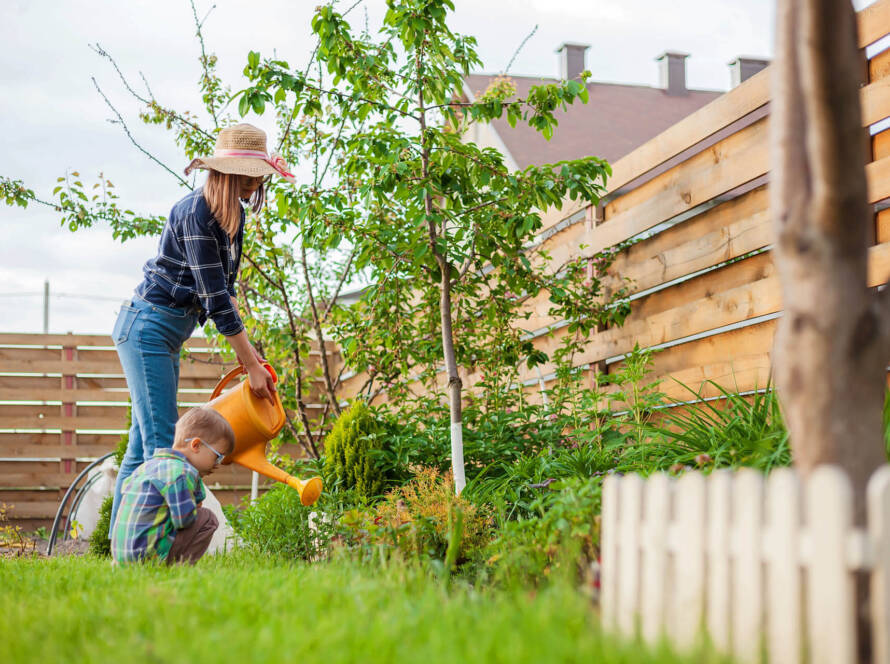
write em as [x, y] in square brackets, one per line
[256, 422]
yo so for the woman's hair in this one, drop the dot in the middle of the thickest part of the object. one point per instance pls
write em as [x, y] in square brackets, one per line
[221, 191]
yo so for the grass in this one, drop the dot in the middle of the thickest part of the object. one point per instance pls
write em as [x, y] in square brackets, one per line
[236, 609]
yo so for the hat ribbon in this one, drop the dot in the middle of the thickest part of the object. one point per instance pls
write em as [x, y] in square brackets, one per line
[276, 162]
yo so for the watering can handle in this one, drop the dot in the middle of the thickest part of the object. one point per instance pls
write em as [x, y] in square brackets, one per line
[237, 371]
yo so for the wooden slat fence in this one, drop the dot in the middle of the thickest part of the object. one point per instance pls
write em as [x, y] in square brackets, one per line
[758, 565]
[704, 288]
[63, 403]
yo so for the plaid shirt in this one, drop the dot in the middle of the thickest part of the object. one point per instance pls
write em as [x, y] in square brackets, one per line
[196, 265]
[159, 498]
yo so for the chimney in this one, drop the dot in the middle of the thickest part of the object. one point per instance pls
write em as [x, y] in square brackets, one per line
[743, 68]
[672, 72]
[571, 60]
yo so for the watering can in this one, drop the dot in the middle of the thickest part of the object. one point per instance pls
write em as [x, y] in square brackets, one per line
[256, 422]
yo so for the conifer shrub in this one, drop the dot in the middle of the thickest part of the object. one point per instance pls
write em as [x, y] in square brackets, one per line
[352, 453]
[100, 544]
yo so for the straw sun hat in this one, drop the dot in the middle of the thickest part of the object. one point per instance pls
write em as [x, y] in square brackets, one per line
[241, 149]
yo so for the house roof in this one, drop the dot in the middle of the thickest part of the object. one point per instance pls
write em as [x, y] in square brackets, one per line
[616, 119]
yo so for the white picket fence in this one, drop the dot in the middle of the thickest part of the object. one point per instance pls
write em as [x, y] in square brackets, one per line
[762, 565]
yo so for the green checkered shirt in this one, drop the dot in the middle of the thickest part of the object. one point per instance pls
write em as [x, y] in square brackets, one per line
[158, 499]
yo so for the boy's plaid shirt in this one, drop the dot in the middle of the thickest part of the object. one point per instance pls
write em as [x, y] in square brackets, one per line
[159, 498]
[196, 265]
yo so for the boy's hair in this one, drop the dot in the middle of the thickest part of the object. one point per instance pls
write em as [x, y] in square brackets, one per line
[206, 424]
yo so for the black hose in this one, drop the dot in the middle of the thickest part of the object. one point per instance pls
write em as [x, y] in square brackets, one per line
[52, 535]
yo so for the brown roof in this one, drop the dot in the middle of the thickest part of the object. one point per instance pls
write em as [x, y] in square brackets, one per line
[616, 119]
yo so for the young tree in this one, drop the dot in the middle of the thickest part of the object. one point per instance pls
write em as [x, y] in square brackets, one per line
[286, 294]
[833, 342]
[443, 231]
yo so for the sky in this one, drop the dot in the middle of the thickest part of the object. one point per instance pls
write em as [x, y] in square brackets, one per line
[53, 120]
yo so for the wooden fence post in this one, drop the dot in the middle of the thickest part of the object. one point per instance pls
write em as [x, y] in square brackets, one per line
[609, 553]
[783, 587]
[655, 556]
[747, 591]
[719, 584]
[68, 409]
[879, 533]
[831, 613]
[688, 593]
[629, 515]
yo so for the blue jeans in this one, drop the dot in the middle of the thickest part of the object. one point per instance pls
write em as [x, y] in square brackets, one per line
[148, 338]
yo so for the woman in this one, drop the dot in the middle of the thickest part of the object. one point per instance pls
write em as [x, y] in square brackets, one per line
[192, 278]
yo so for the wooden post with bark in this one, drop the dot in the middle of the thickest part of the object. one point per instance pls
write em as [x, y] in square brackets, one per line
[831, 347]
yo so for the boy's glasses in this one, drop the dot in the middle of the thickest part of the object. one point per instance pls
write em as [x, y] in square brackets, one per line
[219, 455]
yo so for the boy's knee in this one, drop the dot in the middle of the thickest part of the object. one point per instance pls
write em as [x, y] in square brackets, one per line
[207, 520]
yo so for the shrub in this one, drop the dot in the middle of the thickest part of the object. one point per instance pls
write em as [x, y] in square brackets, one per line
[418, 520]
[350, 461]
[100, 545]
[278, 524]
[563, 535]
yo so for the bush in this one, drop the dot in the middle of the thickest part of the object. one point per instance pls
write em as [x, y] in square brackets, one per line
[564, 535]
[100, 544]
[350, 461]
[278, 524]
[419, 520]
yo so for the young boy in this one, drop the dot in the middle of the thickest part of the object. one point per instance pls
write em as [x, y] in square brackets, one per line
[160, 515]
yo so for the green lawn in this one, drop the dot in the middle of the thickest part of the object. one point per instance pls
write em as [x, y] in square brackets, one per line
[234, 609]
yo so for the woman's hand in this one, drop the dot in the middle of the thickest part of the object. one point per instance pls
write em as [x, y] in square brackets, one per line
[261, 383]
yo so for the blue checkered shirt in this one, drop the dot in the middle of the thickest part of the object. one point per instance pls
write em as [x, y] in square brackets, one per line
[196, 265]
[158, 499]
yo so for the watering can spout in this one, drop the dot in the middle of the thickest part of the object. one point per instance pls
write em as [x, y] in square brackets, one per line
[256, 422]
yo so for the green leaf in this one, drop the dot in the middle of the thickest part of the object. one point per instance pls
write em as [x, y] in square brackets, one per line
[243, 105]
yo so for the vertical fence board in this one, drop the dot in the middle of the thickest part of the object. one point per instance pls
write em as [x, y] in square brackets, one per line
[609, 553]
[655, 555]
[783, 587]
[629, 515]
[719, 586]
[879, 534]
[830, 604]
[688, 595]
[746, 574]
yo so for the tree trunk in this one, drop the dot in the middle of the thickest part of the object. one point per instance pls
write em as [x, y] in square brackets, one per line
[454, 381]
[830, 353]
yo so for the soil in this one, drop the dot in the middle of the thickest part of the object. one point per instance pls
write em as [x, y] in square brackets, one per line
[36, 548]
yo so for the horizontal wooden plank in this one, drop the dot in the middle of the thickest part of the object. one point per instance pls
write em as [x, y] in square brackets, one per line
[880, 145]
[727, 278]
[726, 347]
[706, 121]
[7, 439]
[65, 423]
[882, 226]
[72, 368]
[875, 98]
[93, 382]
[81, 396]
[729, 163]
[54, 451]
[43, 509]
[879, 66]
[722, 233]
[78, 340]
[873, 22]
[751, 300]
